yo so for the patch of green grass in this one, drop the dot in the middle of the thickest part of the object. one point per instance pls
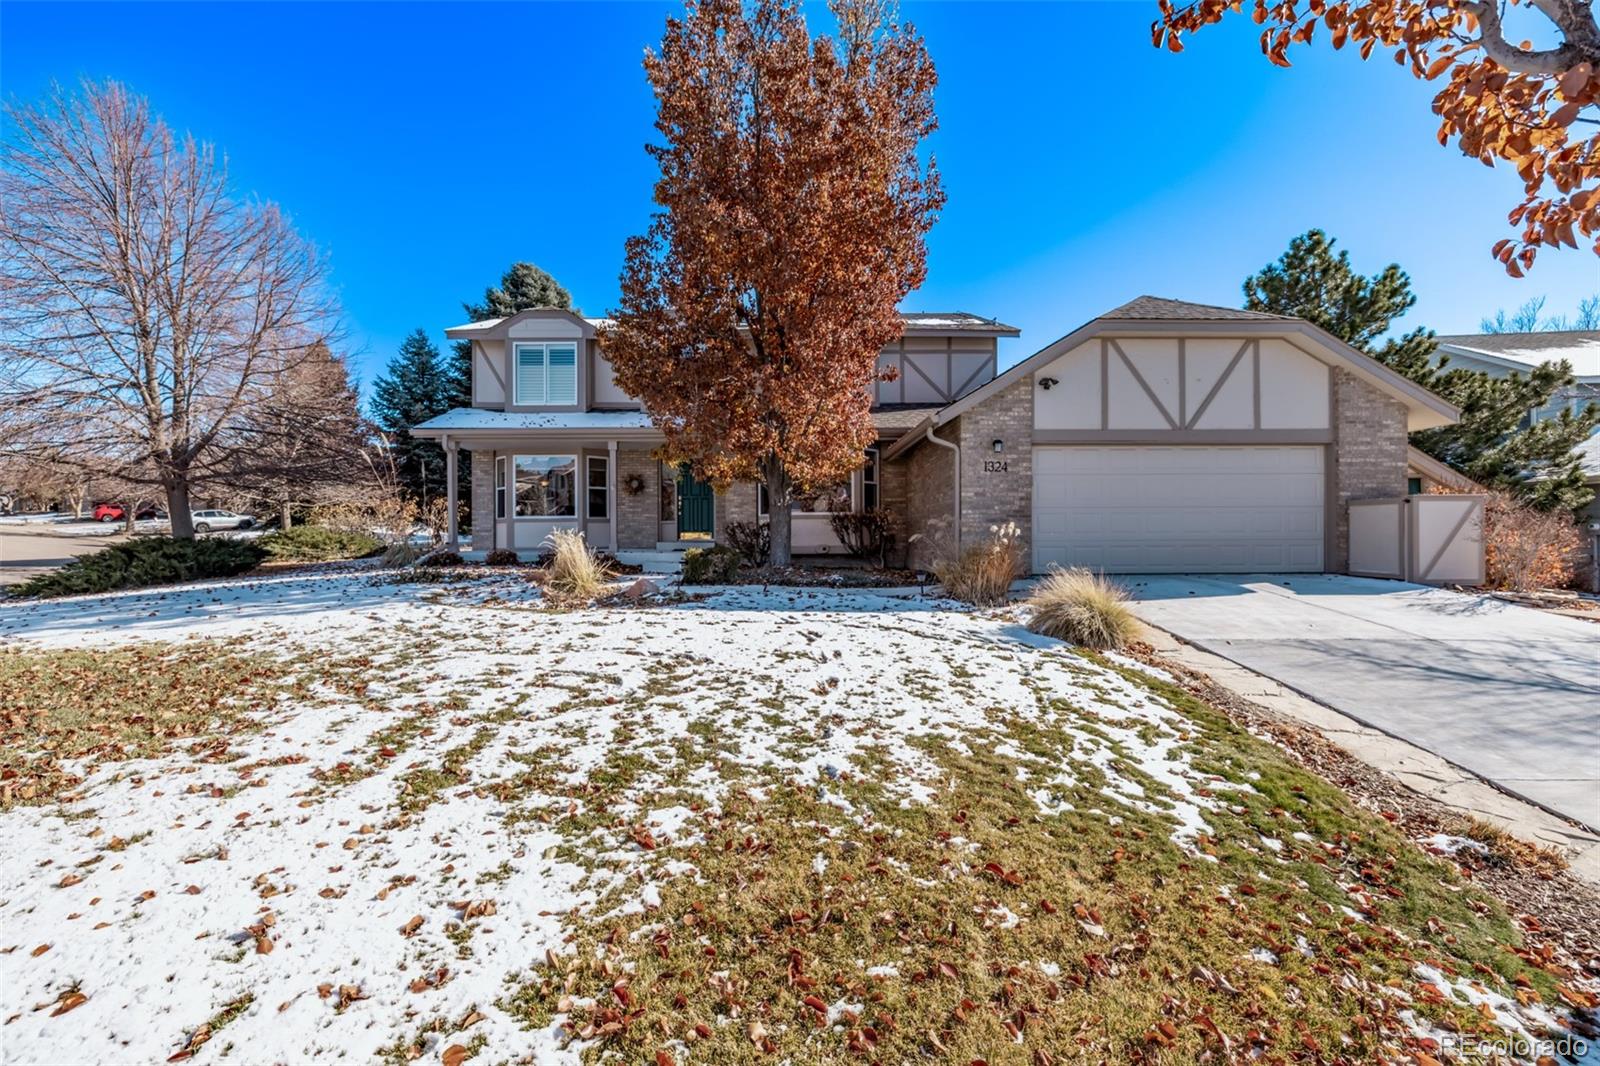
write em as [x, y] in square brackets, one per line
[111, 705]
[1008, 929]
[422, 786]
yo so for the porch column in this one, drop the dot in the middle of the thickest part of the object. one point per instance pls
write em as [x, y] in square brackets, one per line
[451, 539]
[611, 492]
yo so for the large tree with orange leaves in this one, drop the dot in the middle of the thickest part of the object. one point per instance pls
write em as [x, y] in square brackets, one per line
[1502, 99]
[795, 207]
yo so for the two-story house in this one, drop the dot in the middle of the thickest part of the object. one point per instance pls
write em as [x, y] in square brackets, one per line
[1161, 436]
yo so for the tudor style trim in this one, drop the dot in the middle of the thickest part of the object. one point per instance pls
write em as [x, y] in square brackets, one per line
[1426, 410]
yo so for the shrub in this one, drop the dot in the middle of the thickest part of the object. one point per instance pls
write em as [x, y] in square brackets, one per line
[1083, 607]
[982, 576]
[144, 562]
[1524, 549]
[502, 557]
[717, 565]
[752, 540]
[400, 553]
[442, 557]
[868, 535]
[574, 570]
[315, 544]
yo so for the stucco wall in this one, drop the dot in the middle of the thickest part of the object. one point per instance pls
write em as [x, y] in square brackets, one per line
[1369, 455]
[636, 513]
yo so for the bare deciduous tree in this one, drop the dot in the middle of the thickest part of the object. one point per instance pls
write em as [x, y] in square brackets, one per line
[143, 302]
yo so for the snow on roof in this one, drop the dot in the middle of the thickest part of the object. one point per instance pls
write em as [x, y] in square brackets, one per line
[479, 418]
[1589, 457]
[1580, 347]
[924, 320]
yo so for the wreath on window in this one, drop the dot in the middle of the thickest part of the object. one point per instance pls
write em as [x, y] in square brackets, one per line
[633, 484]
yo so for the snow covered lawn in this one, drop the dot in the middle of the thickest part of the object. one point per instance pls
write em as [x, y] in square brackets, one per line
[446, 821]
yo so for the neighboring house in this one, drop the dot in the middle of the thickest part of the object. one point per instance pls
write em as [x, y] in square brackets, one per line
[1161, 436]
[1503, 354]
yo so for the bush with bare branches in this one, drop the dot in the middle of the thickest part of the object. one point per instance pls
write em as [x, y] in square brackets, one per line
[1526, 549]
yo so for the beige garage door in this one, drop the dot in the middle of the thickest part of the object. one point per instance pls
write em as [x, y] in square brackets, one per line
[1182, 509]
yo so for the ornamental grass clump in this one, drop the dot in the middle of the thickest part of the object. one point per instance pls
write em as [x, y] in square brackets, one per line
[574, 571]
[1083, 607]
[983, 574]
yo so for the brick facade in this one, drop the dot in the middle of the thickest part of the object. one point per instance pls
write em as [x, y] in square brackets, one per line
[482, 466]
[636, 513]
[997, 487]
[738, 504]
[928, 474]
[1369, 455]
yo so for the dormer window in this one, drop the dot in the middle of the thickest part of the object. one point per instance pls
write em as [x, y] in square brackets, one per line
[546, 373]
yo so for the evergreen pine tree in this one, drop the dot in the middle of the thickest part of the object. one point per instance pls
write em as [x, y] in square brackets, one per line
[1492, 443]
[414, 387]
[521, 287]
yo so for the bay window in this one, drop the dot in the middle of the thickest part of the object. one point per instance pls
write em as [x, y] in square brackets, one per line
[546, 486]
[545, 373]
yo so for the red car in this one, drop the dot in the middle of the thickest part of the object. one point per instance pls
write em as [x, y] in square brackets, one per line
[115, 512]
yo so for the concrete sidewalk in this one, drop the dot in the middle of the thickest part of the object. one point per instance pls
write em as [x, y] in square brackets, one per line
[1508, 693]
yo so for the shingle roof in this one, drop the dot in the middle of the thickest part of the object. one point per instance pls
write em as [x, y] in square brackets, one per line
[1157, 308]
[902, 416]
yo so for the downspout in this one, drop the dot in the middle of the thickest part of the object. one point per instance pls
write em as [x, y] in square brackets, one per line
[956, 451]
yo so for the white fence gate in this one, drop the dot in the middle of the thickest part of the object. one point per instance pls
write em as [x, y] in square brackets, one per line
[1433, 539]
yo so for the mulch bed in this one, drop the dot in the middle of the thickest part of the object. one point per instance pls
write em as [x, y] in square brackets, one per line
[839, 577]
[1556, 910]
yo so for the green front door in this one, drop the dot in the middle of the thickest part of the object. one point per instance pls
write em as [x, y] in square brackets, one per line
[695, 506]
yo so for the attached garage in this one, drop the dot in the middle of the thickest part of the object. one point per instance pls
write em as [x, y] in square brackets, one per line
[1179, 509]
[1168, 437]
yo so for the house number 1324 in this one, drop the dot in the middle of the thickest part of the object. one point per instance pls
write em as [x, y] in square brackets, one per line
[995, 466]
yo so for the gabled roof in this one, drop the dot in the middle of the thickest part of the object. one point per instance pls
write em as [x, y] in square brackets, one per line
[1160, 309]
[1446, 475]
[1153, 315]
[1523, 351]
[496, 327]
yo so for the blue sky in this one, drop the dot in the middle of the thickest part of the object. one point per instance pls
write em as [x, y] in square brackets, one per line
[426, 146]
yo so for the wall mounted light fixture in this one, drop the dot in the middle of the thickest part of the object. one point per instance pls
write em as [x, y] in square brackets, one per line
[1045, 383]
[999, 446]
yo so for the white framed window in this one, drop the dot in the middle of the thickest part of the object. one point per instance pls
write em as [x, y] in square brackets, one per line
[544, 373]
[500, 487]
[546, 486]
[597, 503]
[869, 481]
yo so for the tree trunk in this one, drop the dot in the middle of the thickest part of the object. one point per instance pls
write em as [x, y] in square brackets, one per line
[779, 520]
[285, 515]
[178, 509]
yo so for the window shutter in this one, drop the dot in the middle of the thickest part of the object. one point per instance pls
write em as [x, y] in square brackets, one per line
[563, 374]
[530, 374]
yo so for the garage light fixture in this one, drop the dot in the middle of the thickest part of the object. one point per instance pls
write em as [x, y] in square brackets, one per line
[1045, 383]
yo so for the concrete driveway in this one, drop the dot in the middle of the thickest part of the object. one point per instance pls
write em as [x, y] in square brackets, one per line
[27, 551]
[1509, 693]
